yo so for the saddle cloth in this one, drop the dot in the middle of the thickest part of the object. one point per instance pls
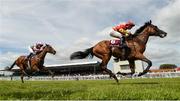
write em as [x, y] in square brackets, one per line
[115, 42]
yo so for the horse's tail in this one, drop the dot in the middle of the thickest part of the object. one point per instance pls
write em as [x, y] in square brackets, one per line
[82, 55]
[9, 68]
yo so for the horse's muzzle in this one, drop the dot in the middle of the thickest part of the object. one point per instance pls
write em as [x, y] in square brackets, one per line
[54, 52]
[162, 34]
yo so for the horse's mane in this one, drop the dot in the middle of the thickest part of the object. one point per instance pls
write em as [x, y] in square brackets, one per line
[138, 31]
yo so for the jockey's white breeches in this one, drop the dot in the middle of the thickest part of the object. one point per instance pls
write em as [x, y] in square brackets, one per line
[115, 34]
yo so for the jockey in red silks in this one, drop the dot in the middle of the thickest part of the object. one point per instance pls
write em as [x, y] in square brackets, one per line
[35, 49]
[123, 32]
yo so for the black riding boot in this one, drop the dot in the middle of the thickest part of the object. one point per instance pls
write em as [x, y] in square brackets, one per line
[123, 57]
[123, 46]
[123, 43]
[28, 57]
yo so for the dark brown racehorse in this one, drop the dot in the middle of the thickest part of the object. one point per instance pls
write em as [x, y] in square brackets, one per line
[36, 62]
[136, 44]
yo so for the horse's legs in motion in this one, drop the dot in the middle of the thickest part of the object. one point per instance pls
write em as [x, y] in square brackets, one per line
[34, 69]
[132, 67]
[25, 72]
[22, 75]
[49, 71]
[103, 65]
[22, 67]
[143, 58]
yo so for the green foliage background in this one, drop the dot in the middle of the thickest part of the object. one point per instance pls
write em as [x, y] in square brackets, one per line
[168, 66]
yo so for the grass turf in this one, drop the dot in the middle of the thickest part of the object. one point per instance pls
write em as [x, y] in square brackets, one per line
[129, 89]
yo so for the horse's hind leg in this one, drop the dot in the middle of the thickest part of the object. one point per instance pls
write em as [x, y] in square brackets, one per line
[105, 57]
[46, 70]
[105, 60]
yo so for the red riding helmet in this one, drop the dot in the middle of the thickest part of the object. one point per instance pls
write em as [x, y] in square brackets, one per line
[130, 24]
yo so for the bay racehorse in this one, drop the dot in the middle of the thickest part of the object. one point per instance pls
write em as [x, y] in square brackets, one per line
[36, 62]
[137, 45]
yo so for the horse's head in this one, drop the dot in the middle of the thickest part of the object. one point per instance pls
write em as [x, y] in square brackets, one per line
[155, 31]
[49, 49]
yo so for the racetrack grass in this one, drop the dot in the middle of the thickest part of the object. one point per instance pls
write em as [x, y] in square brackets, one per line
[129, 89]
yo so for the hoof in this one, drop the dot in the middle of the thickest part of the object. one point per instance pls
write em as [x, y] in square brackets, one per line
[140, 74]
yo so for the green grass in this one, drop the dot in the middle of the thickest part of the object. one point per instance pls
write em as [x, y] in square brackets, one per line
[132, 89]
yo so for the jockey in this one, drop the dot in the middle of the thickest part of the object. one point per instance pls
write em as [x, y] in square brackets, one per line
[123, 32]
[35, 49]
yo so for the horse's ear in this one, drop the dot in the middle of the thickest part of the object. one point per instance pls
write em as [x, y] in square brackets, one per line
[150, 21]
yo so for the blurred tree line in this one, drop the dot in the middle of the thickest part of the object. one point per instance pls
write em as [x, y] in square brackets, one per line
[167, 66]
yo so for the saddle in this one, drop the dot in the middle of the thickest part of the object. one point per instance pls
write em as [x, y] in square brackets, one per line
[123, 46]
[118, 43]
[115, 42]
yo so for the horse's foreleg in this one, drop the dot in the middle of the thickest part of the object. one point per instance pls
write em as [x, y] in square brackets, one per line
[132, 68]
[49, 71]
[22, 75]
[147, 68]
[143, 58]
[26, 73]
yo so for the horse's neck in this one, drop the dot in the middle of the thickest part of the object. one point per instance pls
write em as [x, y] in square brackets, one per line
[42, 55]
[143, 37]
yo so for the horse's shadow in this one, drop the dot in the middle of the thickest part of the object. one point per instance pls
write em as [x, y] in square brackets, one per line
[136, 83]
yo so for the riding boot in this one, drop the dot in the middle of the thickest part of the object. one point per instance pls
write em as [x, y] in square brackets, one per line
[28, 57]
[123, 46]
[123, 57]
[123, 43]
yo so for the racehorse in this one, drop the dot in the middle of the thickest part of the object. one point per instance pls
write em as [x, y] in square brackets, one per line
[36, 62]
[137, 45]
